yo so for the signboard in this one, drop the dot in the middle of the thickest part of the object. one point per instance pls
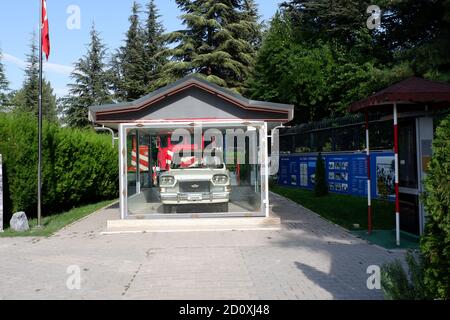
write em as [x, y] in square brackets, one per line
[346, 173]
[297, 171]
[1, 195]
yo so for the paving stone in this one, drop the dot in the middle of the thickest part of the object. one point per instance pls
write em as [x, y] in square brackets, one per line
[308, 259]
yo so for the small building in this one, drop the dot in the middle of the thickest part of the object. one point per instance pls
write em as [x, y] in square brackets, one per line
[193, 115]
[382, 150]
[411, 105]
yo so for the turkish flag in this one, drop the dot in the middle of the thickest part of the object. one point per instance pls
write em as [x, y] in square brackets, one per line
[45, 30]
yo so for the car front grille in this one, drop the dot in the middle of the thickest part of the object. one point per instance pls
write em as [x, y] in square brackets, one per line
[195, 186]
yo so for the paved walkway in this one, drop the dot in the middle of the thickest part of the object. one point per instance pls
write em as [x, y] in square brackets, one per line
[308, 259]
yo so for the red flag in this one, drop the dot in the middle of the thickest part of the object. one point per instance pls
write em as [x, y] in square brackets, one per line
[45, 30]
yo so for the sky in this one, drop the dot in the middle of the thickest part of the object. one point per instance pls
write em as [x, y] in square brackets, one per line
[69, 39]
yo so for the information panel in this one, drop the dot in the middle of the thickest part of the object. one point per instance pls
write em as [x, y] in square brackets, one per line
[346, 173]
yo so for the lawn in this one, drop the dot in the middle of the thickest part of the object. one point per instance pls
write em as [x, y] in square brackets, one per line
[54, 223]
[343, 210]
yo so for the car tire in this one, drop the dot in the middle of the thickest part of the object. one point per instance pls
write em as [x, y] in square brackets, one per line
[167, 208]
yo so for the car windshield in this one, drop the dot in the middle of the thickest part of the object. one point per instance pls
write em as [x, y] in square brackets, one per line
[206, 163]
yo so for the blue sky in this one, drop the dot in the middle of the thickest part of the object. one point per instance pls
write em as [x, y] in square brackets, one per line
[18, 19]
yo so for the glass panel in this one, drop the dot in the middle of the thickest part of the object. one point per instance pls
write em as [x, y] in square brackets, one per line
[407, 154]
[131, 163]
[194, 171]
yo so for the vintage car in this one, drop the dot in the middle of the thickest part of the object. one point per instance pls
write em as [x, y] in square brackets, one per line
[205, 184]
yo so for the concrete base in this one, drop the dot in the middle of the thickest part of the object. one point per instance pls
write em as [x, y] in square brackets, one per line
[192, 225]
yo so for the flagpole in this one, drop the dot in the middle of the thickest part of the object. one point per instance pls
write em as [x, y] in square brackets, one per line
[39, 208]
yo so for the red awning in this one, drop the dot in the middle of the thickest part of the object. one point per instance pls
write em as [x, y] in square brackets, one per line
[412, 90]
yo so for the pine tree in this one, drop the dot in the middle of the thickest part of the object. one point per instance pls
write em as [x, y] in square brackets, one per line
[154, 47]
[341, 20]
[4, 87]
[130, 82]
[216, 43]
[27, 98]
[321, 185]
[251, 16]
[31, 83]
[115, 77]
[90, 85]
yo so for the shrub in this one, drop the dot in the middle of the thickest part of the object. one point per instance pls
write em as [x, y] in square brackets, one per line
[398, 284]
[79, 167]
[321, 186]
[429, 278]
[435, 244]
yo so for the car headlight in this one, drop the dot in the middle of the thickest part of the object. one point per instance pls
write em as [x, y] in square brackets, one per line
[167, 181]
[220, 179]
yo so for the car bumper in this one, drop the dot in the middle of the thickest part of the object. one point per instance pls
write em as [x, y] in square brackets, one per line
[195, 198]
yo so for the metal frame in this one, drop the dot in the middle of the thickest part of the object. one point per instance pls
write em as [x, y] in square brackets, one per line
[369, 178]
[124, 128]
[420, 176]
[421, 134]
[103, 128]
[138, 162]
[397, 177]
[398, 189]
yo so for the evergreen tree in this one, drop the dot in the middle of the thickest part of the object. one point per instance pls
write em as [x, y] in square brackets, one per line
[218, 42]
[131, 81]
[27, 98]
[321, 185]
[31, 83]
[4, 87]
[435, 243]
[418, 32]
[154, 47]
[340, 20]
[115, 77]
[90, 85]
[250, 15]
[317, 68]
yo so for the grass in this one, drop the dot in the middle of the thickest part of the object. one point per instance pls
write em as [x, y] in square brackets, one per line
[54, 223]
[346, 211]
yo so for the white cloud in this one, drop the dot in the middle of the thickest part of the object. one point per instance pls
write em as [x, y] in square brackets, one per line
[48, 67]
[58, 68]
[14, 60]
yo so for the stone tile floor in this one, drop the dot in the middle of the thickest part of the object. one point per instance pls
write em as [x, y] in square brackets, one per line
[308, 259]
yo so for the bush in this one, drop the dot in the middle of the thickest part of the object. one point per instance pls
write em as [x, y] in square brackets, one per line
[321, 186]
[430, 277]
[79, 167]
[397, 284]
[435, 244]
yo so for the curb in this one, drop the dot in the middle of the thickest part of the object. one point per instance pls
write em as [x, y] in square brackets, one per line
[81, 219]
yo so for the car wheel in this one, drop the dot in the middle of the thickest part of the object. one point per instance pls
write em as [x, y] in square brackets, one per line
[167, 208]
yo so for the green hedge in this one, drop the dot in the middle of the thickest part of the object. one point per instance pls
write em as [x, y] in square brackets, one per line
[79, 166]
[429, 276]
[435, 244]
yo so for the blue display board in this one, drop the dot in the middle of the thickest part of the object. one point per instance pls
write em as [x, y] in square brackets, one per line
[346, 173]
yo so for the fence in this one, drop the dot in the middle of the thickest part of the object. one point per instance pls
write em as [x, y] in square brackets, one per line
[337, 135]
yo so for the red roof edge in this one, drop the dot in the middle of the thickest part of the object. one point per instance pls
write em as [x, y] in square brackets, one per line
[411, 90]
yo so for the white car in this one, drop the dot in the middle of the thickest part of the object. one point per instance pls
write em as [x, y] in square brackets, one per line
[202, 185]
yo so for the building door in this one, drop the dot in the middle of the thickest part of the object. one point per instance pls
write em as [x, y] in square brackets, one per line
[409, 180]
